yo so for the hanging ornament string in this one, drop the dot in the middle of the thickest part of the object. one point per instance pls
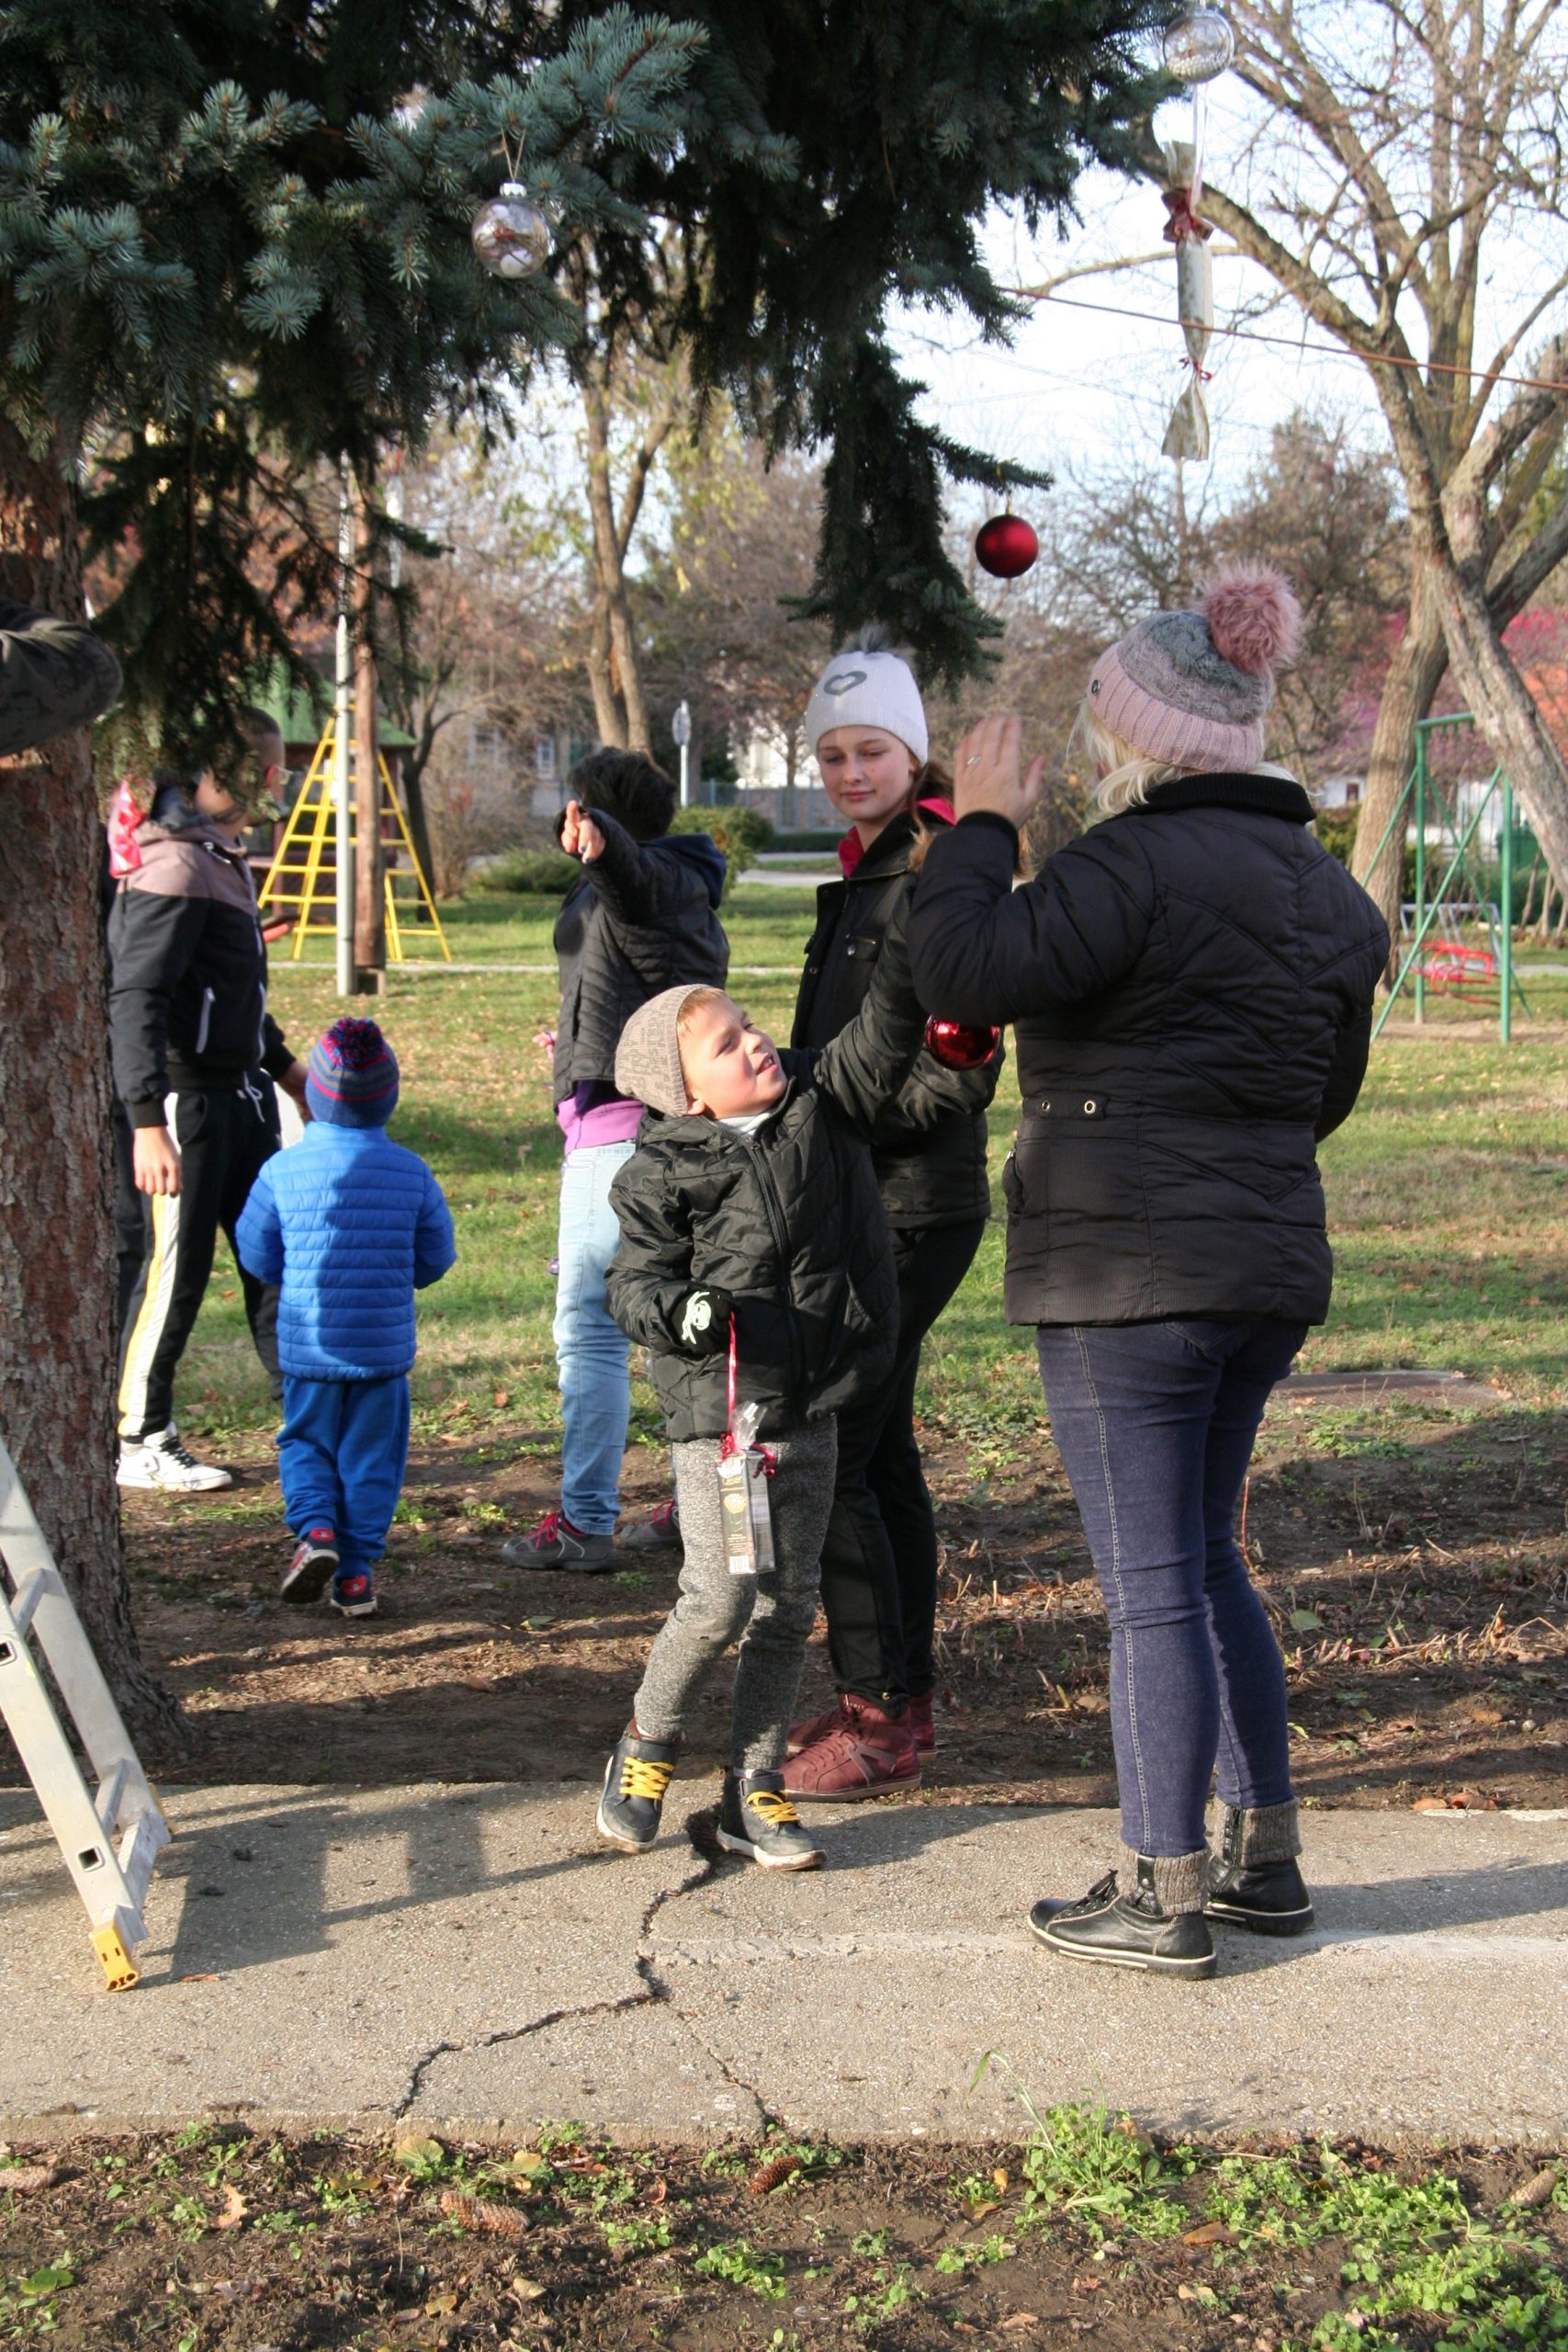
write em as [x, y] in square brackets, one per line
[729, 1443]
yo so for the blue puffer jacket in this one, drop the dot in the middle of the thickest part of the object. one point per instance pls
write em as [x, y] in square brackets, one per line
[351, 1224]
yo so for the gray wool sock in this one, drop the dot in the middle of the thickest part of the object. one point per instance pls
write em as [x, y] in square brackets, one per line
[1181, 1880]
[1271, 1834]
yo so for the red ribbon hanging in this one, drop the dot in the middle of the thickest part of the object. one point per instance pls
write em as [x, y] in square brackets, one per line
[728, 1444]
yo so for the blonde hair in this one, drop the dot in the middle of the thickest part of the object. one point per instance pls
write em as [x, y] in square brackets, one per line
[1129, 775]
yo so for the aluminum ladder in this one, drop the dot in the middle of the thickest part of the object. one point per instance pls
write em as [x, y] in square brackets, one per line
[111, 1877]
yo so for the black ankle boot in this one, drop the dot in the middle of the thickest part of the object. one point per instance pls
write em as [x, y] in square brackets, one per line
[1132, 1930]
[1267, 1893]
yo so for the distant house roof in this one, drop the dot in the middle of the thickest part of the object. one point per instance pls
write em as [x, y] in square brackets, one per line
[302, 718]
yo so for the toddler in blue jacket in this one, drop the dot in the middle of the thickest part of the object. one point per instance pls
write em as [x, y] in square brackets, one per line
[351, 1224]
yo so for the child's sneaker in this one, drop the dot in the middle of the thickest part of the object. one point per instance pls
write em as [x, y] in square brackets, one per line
[353, 1596]
[639, 1772]
[305, 1577]
[556, 1544]
[757, 1819]
[159, 1460]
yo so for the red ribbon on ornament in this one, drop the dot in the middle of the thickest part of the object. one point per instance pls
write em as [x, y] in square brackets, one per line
[727, 1443]
[1184, 224]
[1204, 375]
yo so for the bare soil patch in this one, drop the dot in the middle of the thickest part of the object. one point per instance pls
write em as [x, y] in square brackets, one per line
[1415, 1561]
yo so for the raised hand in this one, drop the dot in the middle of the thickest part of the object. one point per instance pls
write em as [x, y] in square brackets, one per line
[580, 836]
[989, 773]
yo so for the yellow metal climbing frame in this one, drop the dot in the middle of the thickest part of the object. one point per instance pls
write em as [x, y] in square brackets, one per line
[302, 881]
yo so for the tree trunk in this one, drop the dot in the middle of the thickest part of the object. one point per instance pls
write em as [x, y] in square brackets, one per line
[369, 864]
[1506, 712]
[1415, 674]
[608, 717]
[56, 1266]
[413, 781]
[612, 608]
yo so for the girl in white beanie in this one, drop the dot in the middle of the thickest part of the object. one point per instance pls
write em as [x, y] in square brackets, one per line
[867, 727]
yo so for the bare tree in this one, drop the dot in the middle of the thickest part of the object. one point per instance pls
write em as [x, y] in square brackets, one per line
[1410, 151]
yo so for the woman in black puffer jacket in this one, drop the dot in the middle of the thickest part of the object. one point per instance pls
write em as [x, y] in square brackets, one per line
[1192, 986]
[867, 727]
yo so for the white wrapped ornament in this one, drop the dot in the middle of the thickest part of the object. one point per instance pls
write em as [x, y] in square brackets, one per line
[1186, 435]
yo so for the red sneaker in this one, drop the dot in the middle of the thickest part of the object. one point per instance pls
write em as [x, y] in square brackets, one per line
[309, 1571]
[869, 1754]
[922, 1724]
[807, 1734]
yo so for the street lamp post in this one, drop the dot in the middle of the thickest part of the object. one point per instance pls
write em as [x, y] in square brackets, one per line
[681, 728]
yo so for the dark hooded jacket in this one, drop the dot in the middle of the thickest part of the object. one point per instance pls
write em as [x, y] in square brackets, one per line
[1192, 984]
[786, 1219]
[928, 1148]
[187, 973]
[643, 917]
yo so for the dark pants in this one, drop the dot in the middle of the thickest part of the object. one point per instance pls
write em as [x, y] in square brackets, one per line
[133, 1221]
[342, 1453]
[879, 1559]
[223, 1138]
[1155, 1424]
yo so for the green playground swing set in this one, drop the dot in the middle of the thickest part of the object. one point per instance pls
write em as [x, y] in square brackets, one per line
[1457, 927]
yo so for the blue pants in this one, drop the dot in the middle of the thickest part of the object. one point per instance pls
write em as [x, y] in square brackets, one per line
[591, 1347]
[340, 1454]
[1155, 1424]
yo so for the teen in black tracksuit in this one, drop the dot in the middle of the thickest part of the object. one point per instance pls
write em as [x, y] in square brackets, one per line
[192, 1039]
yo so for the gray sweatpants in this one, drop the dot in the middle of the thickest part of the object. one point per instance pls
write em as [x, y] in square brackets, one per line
[770, 1616]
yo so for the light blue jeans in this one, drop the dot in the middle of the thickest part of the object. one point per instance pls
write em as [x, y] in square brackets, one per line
[591, 1348]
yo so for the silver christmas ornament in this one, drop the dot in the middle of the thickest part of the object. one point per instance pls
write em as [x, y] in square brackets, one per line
[1198, 45]
[511, 235]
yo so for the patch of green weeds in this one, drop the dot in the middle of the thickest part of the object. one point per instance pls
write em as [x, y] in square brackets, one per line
[891, 2290]
[26, 2303]
[728, 2162]
[736, 2261]
[1084, 2165]
[189, 2216]
[955, 2260]
[639, 2234]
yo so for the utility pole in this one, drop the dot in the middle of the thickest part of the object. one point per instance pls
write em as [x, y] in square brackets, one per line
[681, 728]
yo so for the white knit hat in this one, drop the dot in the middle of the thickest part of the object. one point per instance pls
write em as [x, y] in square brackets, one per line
[861, 688]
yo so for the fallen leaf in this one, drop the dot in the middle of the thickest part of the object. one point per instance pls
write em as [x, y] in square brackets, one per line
[1026, 2319]
[1431, 1805]
[1001, 2177]
[477, 1683]
[417, 2148]
[1305, 1621]
[1088, 2286]
[524, 2290]
[658, 2191]
[1207, 2233]
[502, 1398]
[200, 1977]
[988, 2205]
[447, 2302]
[1538, 2189]
[22, 2179]
[234, 2209]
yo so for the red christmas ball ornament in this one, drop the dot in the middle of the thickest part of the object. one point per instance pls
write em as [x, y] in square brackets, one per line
[959, 1046]
[1006, 545]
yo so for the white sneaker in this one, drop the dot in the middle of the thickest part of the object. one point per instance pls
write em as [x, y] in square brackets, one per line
[162, 1461]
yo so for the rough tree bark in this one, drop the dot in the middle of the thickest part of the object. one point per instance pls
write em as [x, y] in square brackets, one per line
[57, 1272]
[1414, 675]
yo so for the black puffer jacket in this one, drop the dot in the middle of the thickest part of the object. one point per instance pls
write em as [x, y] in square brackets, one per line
[928, 1148]
[788, 1219]
[1192, 987]
[643, 918]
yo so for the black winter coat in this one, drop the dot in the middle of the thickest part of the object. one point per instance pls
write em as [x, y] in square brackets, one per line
[788, 1219]
[1192, 986]
[928, 1148]
[643, 918]
[187, 973]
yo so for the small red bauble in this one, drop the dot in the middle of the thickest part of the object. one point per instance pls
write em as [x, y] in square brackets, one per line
[1006, 545]
[959, 1046]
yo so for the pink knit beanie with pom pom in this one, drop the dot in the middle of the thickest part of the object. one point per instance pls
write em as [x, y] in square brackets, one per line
[1193, 688]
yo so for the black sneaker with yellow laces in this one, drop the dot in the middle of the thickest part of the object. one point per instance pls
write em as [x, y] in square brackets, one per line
[758, 1819]
[639, 1772]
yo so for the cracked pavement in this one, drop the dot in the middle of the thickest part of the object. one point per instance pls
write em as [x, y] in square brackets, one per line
[471, 1960]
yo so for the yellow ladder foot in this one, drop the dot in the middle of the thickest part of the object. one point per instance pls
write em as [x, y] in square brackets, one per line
[120, 1972]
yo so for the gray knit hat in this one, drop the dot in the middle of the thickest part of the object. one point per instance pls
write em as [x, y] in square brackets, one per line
[1193, 688]
[647, 1059]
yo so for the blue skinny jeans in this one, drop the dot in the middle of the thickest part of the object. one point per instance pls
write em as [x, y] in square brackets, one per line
[592, 1351]
[1155, 1424]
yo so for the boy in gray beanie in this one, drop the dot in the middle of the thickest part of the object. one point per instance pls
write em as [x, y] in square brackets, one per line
[755, 1266]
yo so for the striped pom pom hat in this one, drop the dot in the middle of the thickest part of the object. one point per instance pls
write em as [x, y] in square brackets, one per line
[1194, 689]
[352, 1077]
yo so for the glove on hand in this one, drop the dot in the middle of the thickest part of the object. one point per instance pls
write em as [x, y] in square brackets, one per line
[702, 1320]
